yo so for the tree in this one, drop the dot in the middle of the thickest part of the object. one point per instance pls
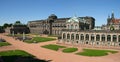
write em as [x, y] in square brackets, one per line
[1, 29]
[5, 25]
[17, 23]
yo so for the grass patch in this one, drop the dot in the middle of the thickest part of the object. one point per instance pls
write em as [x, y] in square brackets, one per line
[17, 35]
[4, 44]
[70, 50]
[18, 56]
[14, 52]
[39, 39]
[53, 35]
[53, 47]
[93, 52]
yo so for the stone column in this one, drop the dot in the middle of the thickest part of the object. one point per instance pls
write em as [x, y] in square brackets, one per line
[95, 39]
[111, 38]
[84, 39]
[106, 38]
[74, 38]
[100, 37]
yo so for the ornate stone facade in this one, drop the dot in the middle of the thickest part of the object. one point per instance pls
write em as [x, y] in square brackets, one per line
[77, 32]
[112, 23]
[54, 25]
[91, 37]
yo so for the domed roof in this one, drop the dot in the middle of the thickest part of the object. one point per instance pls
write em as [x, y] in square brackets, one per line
[76, 19]
[53, 16]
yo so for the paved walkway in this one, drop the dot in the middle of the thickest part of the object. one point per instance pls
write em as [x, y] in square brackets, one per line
[46, 54]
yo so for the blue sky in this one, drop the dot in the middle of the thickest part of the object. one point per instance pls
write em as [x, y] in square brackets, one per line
[29, 10]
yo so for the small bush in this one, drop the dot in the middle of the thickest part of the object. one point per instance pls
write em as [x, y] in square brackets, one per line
[70, 50]
[53, 47]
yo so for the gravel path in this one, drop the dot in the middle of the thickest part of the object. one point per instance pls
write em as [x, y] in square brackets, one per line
[46, 54]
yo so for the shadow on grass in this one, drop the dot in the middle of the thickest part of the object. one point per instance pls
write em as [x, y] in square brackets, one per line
[21, 59]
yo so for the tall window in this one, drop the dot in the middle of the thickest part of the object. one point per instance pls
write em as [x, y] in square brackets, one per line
[92, 37]
[68, 27]
[64, 36]
[114, 38]
[87, 37]
[82, 37]
[119, 38]
[103, 37]
[108, 37]
[76, 27]
[72, 26]
[72, 36]
[68, 36]
[77, 36]
[97, 37]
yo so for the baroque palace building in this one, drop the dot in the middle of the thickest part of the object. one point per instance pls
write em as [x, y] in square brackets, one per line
[76, 34]
[54, 25]
[79, 30]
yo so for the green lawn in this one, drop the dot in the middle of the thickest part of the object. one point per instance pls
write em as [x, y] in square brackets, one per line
[4, 44]
[39, 39]
[70, 50]
[16, 55]
[15, 35]
[53, 47]
[14, 52]
[53, 35]
[93, 52]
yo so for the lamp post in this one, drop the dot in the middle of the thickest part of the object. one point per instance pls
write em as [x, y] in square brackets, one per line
[23, 36]
[13, 34]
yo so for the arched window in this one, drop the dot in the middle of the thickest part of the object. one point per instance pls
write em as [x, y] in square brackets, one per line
[68, 36]
[82, 37]
[114, 38]
[92, 37]
[119, 38]
[86, 37]
[76, 27]
[72, 36]
[103, 37]
[97, 37]
[77, 36]
[108, 37]
[64, 36]
[72, 27]
[68, 27]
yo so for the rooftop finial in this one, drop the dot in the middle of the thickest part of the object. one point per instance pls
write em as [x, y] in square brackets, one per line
[75, 15]
[112, 11]
[112, 15]
[108, 16]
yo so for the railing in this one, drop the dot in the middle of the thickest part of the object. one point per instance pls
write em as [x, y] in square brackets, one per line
[96, 31]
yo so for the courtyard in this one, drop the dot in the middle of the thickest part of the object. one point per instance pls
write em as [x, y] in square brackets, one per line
[39, 52]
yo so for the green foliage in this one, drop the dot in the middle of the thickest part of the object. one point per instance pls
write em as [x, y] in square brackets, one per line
[70, 50]
[1, 29]
[14, 55]
[39, 39]
[17, 23]
[15, 52]
[4, 44]
[92, 52]
[53, 47]
[53, 35]
[17, 35]
[7, 25]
